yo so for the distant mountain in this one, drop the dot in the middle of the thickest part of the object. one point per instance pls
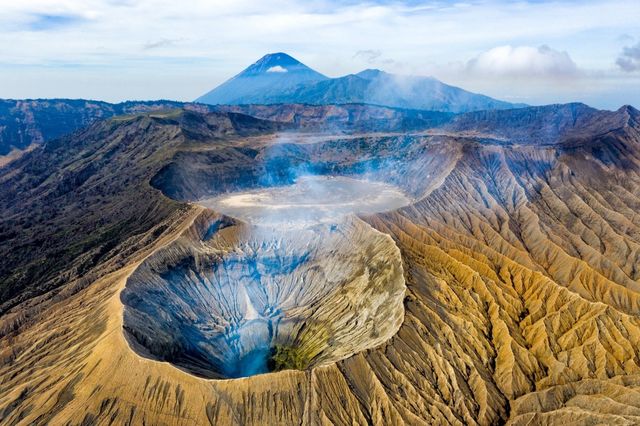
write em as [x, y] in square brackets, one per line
[268, 77]
[300, 84]
[26, 124]
[381, 88]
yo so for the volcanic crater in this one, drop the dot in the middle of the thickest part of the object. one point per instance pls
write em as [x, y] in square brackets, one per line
[271, 277]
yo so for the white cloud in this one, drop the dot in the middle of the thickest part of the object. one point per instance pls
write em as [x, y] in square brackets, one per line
[277, 68]
[372, 57]
[369, 55]
[524, 61]
[158, 44]
[629, 59]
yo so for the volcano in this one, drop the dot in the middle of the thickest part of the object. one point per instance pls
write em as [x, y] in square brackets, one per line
[272, 74]
[280, 79]
[324, 264]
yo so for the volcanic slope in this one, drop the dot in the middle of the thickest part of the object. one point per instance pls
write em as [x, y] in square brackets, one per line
[519, 259]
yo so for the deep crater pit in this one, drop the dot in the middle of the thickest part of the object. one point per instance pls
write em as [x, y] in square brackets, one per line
[230, 300]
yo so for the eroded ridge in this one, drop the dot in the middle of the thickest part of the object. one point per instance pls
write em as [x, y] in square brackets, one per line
[230, 300]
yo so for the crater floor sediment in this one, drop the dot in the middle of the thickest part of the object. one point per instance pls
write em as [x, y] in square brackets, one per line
[311, 199]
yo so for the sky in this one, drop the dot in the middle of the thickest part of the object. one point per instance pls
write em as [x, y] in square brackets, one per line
[536, 52]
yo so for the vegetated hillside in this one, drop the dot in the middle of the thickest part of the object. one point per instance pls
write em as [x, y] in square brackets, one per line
[278, 78]
[68, 204]
[520, 262]
[24, 123]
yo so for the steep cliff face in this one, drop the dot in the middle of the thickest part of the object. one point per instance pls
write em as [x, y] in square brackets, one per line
[519, 261]
[544, 125]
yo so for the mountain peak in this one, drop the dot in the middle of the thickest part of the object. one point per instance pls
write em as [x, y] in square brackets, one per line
[631, 114]
[371, 73]
[276, 63]
[278, 57]
[629, 109]
[270, 75]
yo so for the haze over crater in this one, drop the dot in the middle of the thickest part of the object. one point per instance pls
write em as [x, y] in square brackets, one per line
[310, 200]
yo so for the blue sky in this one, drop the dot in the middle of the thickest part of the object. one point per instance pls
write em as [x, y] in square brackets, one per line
[523, 51]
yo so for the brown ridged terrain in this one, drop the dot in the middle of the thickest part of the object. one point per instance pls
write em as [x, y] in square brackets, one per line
[522, 298]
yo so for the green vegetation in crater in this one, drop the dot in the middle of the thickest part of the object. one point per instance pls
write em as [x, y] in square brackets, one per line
[310, 343]
[284, 357]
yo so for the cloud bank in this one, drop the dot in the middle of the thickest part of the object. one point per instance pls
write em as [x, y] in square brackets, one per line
[524, 61]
